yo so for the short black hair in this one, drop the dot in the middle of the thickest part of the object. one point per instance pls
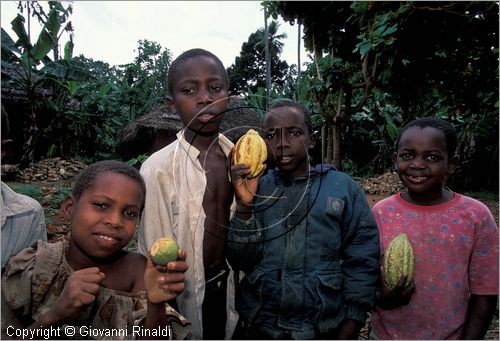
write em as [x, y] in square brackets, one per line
[87, 176]
[191, 54]
[285, 102]
[450, 133]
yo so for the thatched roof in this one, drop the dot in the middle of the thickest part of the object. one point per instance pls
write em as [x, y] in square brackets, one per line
[161, 118]
[238, 119]
[159, 127]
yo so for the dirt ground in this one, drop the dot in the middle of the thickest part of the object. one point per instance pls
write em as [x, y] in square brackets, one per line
[53, 177]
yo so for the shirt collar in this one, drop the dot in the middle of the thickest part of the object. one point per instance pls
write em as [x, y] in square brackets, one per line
[13, 203]
[224, 142]
[287, 180]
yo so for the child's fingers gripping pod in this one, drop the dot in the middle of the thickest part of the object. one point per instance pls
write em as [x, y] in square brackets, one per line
[164, 250]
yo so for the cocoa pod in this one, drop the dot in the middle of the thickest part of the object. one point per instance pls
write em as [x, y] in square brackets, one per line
[398, 259]
[251, 149]
[164, 250]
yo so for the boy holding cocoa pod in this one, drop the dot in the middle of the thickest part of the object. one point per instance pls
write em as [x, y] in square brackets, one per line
[305, 238]
[189, 193]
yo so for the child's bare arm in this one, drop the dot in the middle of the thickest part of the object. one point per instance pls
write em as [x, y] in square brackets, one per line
[163, 284]
[479, 314]
[80, 290]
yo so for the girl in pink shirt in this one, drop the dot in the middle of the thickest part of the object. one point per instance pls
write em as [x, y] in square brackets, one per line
[454, 238]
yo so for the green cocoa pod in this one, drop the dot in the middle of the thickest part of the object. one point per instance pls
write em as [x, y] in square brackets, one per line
[164, 250]
[398, 259]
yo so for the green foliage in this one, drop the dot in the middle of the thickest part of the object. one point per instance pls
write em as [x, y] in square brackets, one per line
[51, 203]
[248, 71]
[89, 100]
[53, 200]
[48, 38]
[29, 190]
[149, 70]
[379, 31]
[137, 161]
[21, 62]
[258, 101]
[117, 96]
[376, 66]
[95, 110]
[424, 58]
[62, 192]
[375, 128]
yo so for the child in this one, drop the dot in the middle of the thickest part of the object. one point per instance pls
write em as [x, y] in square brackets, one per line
[454, 239]
[94, 284]
[189, 193]
[308, 242]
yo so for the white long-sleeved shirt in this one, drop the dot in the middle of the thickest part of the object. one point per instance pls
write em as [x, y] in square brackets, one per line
[175, 186]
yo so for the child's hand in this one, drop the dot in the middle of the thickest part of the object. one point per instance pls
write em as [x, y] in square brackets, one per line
[399, 296]
[348, 330]
[80, 289]
[244, 188]
[164, 283]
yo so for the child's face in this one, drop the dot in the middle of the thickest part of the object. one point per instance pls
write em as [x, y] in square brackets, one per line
[200, 94]
[105, 217]
[288, 139]
[422, 160]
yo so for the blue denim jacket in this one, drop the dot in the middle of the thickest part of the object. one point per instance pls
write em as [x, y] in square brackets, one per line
[310, 253]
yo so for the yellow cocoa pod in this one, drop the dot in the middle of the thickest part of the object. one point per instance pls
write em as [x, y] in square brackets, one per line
[164, 250]
[398, 259]
[251, 149]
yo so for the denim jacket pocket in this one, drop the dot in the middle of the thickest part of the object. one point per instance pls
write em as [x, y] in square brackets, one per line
[329, 289]
[334, 207]
[251, 295]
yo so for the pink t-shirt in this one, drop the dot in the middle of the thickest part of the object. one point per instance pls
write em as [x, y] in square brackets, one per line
[456, 255]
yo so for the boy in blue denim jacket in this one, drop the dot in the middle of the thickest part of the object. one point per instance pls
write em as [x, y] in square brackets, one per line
[306, 241]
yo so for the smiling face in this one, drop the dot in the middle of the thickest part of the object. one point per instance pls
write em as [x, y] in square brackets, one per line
[288, 139]
[200, 93]
[104, 218]
[423, 163]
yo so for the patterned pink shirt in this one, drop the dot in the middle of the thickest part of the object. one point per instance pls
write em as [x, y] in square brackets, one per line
[456, 255]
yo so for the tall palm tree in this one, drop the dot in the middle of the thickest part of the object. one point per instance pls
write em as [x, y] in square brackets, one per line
[267, 57]
[272, 40]
[299, 40]
[275, 43]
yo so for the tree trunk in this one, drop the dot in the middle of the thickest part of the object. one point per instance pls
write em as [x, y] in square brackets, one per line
[323, 143]
[335, 142]
[329, 146]
[267, 56]
[299, 38]
[30, 136]
[318, 54]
